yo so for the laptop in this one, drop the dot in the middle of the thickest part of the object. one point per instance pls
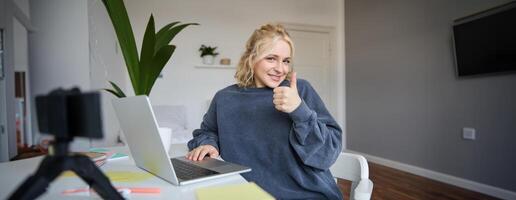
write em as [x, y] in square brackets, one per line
[140, 128]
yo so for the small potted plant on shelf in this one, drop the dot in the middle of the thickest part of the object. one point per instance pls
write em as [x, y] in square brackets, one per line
[208, 54]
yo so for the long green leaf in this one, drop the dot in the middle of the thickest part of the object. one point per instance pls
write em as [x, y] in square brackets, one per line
[147, 53]
[158, 63]
[118, 14]
[165, 29]
[155, 53]
[169, 35]
[117, 89]
[113, 92]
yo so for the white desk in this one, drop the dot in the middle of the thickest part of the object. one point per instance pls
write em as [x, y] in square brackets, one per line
[14, 173]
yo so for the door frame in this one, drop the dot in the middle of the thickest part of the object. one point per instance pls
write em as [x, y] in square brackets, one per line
[336, 89]
[7, 113]
[8, 12]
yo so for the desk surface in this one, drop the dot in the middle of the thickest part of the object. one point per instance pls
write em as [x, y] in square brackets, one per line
[14, 173]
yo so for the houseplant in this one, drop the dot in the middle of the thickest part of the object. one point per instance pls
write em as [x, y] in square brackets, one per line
[155, 52]
[154, 55]
[208, 54]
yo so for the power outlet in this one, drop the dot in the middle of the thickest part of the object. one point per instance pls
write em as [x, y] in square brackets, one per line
[468, 133]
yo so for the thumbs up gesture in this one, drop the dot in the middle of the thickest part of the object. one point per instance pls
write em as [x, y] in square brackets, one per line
[286, 99]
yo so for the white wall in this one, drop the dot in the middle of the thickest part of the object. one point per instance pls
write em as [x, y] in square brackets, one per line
[21, 57]
[59, 53]
[23, 5]
[226, 24]
[21, 63]
[77, 50]
[59, 45]
[106, 64]
[21, 53]
[80, 49]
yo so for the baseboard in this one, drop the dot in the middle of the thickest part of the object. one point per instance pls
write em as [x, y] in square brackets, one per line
[449, 179]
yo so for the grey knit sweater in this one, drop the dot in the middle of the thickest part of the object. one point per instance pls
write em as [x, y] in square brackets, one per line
[289, 153]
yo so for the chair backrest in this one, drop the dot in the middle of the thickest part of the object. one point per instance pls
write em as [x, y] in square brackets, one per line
[354, 168]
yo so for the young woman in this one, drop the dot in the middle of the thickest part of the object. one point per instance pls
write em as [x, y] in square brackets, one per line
[279, 128]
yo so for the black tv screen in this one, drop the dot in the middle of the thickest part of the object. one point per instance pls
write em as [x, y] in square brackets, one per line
[486, 42]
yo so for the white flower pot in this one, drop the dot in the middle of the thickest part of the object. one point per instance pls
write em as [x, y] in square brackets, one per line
[208, 60]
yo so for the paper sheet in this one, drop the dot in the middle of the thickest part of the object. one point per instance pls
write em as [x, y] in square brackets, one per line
[248, 191]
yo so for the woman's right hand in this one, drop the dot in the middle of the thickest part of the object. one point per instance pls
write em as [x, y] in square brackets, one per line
[200, 152]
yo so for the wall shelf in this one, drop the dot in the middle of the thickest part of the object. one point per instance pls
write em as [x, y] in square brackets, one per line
[215, 66]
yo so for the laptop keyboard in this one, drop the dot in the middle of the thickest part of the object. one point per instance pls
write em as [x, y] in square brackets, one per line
[187, 171]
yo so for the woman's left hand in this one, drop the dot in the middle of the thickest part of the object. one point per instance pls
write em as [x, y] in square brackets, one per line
[286, 99]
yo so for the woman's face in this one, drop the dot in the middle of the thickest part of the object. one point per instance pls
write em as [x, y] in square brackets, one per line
[272, 69]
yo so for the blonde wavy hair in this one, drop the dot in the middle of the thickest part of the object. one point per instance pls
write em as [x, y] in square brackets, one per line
[257, 47]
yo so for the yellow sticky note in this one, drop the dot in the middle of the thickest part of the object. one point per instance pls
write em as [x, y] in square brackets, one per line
[127, 176]
[118, 176]
[246, 191]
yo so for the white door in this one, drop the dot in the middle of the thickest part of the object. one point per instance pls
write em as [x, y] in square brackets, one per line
[313, 60]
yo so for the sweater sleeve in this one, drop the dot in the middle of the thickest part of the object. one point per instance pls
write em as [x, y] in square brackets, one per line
[315, 135]
[207, 134]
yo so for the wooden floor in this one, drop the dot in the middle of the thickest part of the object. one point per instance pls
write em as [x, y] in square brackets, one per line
[394, 184]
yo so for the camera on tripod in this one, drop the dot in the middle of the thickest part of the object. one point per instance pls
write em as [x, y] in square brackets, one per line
[67, 114]
[70, 113]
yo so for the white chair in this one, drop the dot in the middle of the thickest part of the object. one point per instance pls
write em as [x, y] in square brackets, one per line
[354, 168]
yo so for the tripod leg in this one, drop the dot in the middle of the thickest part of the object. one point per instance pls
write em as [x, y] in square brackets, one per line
[38, 183]
[31, 188]
[89, 172]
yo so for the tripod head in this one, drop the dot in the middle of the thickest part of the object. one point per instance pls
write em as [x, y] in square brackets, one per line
[66, 114]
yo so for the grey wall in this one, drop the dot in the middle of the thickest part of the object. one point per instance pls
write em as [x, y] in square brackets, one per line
[404, 102]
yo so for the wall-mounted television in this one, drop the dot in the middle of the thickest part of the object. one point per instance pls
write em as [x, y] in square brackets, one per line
[485, 42]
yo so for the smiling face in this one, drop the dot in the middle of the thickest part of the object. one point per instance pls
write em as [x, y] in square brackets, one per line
[273, 68]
